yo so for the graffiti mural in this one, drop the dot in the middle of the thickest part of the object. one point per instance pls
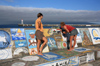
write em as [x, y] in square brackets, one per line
[5, 54]
[58, 37]
[50, 56]
[61, 45]
[19, 50]
[95, 34]
[90, 56]
[32, 43]
[31, 38]
[30, 58]
[86, 38]
[66, 53]
[52, 43]
[47, 32]
[20, 43]
[78, 39]
[33, 51]
[17, 34]
[4, 39]
[73, 61]
[18, 64]
[81, 49]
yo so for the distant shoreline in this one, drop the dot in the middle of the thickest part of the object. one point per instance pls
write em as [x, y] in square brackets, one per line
[80, 23]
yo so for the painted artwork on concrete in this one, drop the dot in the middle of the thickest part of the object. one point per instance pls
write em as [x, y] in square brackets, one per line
[98, 54]
[4, 39]
[95, 48]
[31, 38]
[46, 32]
[90, 56]
[33, 51]
[63, 62]
[78, 39]
[8, 43]
[62, 45]
[17, 34]
[58, 37]
[95, 35]
[52, 35]
[66, 53]
[86, 38]
[52, 43]
[45, 49]
[17, 51]
[51, 56]
[81, 49]
[20, 43]
[64, 38]
[5, 54]
[30, 58]
[57, 31]
[74, 61]
[50, 32]
[18, 64]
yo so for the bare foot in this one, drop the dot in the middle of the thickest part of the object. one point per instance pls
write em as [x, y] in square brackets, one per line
[70, 50]
[40, 54]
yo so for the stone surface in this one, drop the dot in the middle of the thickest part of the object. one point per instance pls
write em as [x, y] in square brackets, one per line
[87, 65]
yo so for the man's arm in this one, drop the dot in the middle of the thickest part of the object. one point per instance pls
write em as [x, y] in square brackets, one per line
[41, 27]
[37, 26]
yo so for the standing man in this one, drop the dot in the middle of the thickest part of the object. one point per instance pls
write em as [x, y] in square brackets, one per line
[39, 33]
[73, 33]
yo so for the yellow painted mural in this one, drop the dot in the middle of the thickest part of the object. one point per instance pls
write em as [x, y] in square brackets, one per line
[45, 32]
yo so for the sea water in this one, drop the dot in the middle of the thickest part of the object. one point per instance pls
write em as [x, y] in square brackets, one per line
[79, 23]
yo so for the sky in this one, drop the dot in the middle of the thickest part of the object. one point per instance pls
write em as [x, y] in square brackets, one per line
[12, 11]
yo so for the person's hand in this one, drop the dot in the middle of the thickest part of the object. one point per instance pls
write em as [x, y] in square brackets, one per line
[41, 30]
[64, 32]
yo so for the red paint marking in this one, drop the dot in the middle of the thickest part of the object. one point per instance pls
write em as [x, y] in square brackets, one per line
[64, 44]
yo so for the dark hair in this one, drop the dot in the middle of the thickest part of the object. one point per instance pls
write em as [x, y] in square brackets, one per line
[39, 15]
[62, 23]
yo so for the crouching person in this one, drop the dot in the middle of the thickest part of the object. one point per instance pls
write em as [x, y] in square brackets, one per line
[71, 33]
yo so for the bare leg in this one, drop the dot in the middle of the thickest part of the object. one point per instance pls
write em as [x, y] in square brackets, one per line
[38, 46]
[45, 41]
[71, 38]
[74, 41]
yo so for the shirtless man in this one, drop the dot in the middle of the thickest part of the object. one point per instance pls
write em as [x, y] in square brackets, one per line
[39, 34]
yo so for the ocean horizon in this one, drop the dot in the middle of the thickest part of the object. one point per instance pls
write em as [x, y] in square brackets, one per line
[77, 23]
